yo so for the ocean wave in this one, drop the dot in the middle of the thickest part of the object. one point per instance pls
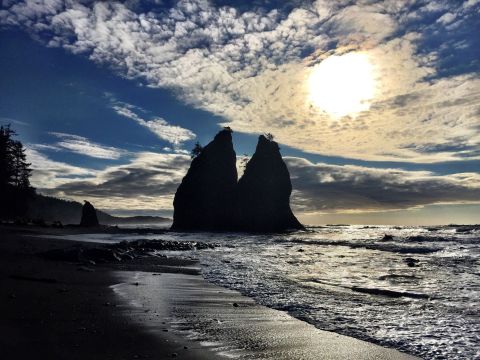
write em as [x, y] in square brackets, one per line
[374, 290]
[389, 247]
[390, 293]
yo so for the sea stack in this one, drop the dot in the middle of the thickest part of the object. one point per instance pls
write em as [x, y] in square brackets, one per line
[263, 192]
[89, 215]
[210, 199]
[204, 199]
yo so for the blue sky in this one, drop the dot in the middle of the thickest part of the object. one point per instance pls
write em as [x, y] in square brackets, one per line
[110, 97]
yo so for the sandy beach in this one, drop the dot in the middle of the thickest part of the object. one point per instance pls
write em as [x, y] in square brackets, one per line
[155, 308]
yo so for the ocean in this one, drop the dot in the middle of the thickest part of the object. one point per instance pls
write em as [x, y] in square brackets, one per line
[416, 290]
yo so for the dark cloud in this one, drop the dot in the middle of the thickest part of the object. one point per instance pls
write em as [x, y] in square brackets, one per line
[317, 187]
[143, 177]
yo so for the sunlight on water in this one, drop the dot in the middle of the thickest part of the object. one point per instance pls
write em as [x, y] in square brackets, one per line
[417, 292]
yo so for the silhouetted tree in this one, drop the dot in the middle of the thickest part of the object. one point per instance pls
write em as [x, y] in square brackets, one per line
[15, 172]
[6, 155]
[243, 161]
[197, 149]
[21, 168]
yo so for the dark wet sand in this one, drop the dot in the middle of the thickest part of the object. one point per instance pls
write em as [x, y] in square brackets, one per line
[53, 310]
[57, 310]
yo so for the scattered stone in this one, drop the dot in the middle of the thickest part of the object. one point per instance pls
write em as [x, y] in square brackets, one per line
[411, 262]
[235, 305]
[86, 269]
[57, 224]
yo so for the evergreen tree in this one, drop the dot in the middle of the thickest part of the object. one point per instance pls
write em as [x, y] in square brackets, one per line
[21, 168]
[15, 189]
[6, 156]
[196, 150]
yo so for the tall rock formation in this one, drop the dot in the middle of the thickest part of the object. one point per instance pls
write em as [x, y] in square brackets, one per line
[204, 199]
[89, 215]
[263, 192]
[210, 199]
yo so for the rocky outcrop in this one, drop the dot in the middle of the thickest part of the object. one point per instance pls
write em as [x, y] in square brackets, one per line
[89, 215]
[209, 197]
[204, 199]
[263, 192]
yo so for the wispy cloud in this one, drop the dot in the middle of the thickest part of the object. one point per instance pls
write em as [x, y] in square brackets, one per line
[173, 134]
[49, 174]
[81, 145]
[7, 120]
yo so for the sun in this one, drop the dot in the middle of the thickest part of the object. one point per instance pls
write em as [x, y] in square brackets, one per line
[343, 85]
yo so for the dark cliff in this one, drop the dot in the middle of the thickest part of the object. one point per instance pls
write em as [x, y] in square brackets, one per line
[204, 199]
[263, 192]
[209, 197]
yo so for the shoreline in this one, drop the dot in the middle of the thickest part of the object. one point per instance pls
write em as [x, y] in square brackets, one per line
[65, 310]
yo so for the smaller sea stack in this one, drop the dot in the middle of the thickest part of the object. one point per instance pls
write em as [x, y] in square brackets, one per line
[89, 215]
[263, 192]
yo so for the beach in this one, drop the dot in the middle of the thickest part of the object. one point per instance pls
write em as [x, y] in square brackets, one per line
[59, 310]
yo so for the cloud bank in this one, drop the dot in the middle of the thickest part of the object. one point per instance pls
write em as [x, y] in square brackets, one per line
[149, 182]
[324, 188]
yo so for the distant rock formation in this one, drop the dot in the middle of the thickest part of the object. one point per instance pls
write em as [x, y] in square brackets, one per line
[209, 197]
[263, 192]
[89, 215]
[51, 210]
[204, 199]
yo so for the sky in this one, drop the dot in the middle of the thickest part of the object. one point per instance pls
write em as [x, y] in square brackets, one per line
[375, 104]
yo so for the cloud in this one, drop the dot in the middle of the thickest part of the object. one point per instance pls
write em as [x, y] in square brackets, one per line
[251, 67]
[49, 174]
[324, 188]
[159, 126]
[81, 145]
[148, 181]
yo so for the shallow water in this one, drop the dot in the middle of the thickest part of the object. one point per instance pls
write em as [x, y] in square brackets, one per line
[418, 292]
[228, 324]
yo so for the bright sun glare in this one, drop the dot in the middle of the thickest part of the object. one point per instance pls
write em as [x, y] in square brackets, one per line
[343, 85]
